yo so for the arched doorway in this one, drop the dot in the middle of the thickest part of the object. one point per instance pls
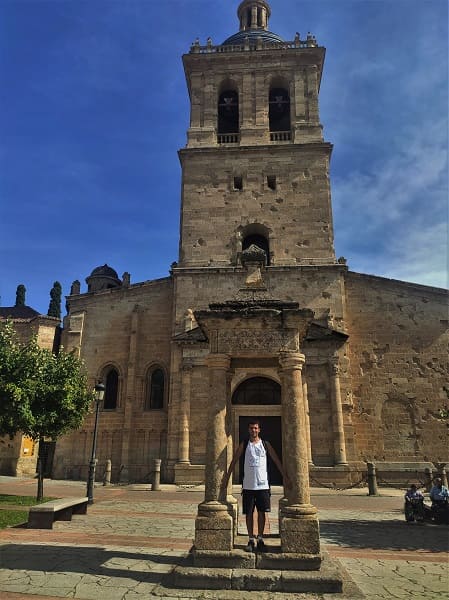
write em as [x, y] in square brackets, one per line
[259, 397]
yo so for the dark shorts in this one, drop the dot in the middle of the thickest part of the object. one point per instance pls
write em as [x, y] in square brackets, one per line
[256, 498]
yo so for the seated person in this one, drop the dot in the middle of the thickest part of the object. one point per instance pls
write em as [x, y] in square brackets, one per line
[414, 504]
[439, 494]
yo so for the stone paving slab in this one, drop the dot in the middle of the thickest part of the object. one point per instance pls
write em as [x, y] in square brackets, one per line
[130, 541]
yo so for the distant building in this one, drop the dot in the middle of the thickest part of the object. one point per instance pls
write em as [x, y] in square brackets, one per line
[257, 246]
[18, 456]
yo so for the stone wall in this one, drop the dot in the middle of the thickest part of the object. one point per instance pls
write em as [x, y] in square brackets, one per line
[296, 215]
[129, 329]
[398, 354]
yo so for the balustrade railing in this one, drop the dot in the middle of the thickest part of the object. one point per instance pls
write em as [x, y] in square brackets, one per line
[280, 136]
[310, 42]
[228, 138]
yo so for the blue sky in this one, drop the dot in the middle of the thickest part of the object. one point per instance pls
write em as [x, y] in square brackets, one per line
[94, 106]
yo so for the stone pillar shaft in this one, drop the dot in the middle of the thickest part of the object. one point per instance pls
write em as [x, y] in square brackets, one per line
[307, 420]
[217, 439]
[294, 427]
[339, 432]
[184, 417]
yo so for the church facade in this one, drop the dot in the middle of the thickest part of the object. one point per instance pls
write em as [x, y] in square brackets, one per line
[256, 284]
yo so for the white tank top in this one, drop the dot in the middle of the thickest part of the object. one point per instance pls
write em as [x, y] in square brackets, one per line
[255, 469]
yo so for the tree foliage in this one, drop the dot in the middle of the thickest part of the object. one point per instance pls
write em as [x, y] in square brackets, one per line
[41, 394]
[54, 308]
[20, 295]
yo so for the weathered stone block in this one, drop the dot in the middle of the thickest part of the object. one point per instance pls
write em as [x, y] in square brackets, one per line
[300, 535]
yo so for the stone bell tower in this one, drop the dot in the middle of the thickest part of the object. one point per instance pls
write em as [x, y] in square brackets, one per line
[255, 168]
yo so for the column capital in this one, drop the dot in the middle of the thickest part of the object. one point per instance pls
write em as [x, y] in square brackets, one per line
[291, 360]
[218, 361]
[334, 365]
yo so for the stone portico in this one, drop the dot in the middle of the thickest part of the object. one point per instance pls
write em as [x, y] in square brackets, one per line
[249, 334]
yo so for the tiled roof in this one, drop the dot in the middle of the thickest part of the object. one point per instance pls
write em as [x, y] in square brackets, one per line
[18, 312]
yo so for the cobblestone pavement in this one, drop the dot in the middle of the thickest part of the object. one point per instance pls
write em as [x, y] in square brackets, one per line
[132, 538]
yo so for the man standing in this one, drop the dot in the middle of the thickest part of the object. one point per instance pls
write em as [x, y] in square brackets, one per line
[256, 487]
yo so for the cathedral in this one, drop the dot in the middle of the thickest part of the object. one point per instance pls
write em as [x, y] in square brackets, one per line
[258, 310]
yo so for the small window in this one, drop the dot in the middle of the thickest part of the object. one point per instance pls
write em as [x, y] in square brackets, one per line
[111, 392]
[271, 182]
[238, 183]
[155, 390]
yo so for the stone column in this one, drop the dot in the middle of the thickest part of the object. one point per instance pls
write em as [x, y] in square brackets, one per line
[339, 433]
[254, 17]
[213, 524]
[184, 417]
[307, 420]
[127, 428]
[299, 525]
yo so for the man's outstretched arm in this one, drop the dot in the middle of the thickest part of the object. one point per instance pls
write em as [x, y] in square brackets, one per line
[235, 458]
[277, 462]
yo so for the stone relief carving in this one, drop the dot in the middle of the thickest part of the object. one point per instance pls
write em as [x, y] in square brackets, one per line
[249, 339]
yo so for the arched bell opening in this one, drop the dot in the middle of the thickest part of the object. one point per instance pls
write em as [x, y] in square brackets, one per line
[257, 235]
[279, 109]
[228, 112]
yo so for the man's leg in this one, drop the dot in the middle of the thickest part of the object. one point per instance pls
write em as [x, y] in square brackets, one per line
[250, 524]
[248, 502]
[261, 518]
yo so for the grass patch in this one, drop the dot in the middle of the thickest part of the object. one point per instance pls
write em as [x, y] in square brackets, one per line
[10, 518]
[21, 500]
[13, 517]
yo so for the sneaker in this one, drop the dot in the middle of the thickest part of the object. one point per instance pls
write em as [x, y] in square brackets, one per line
[261, 547]
[251, 546]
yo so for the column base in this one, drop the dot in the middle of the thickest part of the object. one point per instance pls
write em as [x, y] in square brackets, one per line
[214, 527]
[233, 509]
[300, 530]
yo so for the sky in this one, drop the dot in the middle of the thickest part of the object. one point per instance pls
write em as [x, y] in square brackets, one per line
[94, 107]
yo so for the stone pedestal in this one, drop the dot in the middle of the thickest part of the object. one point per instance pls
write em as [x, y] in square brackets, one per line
[300, 531]
[214, 527]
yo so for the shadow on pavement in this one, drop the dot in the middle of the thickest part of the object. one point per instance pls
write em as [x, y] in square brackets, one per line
[386, 535]
[88, 561]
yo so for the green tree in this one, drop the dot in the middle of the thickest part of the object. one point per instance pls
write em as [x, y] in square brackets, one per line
[42, 395]
[54, 308]
[20, 295]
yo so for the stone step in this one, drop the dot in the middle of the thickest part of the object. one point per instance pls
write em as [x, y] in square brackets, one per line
[330, 578]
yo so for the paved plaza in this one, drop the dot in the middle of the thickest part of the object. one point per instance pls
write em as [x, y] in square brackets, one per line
[132, 538]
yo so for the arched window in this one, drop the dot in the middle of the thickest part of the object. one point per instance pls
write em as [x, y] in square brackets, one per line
[154, 399]
[111, 392]
[228, 112]
[258, 240]
[279, 109]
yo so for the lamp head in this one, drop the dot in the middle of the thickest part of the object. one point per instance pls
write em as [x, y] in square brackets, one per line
[99, 391]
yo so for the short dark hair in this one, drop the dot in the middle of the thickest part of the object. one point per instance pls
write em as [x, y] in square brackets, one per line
[254, 421]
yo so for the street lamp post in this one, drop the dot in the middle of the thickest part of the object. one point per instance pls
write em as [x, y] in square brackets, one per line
[99, 395]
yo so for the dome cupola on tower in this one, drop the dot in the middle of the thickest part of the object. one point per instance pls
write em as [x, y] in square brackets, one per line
[253, 17]
[102, 278]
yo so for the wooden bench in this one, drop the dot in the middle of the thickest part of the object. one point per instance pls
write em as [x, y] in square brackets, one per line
[42, 516]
